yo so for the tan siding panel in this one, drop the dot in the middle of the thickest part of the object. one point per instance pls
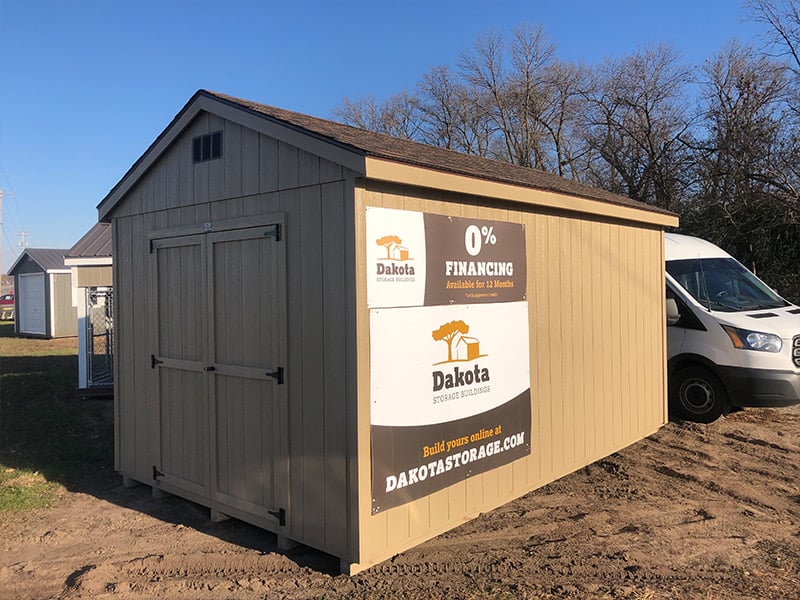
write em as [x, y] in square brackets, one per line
[65, 315]
[94, 276]
[593, 371]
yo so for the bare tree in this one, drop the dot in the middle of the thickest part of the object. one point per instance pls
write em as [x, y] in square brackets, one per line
[514, 97]
[399, 116]
[451, 113]
[739, 203]
[782, 18]
[567, 87]
[635, 123]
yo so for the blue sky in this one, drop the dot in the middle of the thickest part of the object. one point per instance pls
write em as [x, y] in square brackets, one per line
[88, 85]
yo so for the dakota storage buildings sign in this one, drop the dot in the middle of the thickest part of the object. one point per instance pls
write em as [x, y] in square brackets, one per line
[449, 350]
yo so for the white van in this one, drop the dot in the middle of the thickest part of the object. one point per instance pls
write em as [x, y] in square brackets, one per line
[731, 340]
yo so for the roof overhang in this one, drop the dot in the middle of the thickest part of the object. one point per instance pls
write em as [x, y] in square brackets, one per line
[395, 172]
[202, 101]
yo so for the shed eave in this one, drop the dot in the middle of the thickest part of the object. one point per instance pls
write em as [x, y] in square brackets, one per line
[380, 169]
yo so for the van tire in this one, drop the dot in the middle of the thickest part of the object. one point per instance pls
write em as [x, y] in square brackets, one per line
[696, 394]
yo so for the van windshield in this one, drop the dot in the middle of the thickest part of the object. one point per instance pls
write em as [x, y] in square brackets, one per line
[723, 284]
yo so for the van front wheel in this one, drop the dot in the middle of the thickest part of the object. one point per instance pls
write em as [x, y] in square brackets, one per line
[698, 395]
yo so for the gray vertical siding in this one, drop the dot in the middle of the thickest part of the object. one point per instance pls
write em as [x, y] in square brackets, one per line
[257, 175]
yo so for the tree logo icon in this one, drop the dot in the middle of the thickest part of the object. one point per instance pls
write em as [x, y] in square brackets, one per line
[460, 347]
[394, 249]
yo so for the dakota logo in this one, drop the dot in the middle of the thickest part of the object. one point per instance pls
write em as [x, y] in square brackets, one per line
[458, 378]
[396, 253]
[394, 269]
[460, 348]
[394, 250]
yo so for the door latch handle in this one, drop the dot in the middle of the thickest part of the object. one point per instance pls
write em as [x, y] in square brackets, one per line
[209, 368]
[277, 375]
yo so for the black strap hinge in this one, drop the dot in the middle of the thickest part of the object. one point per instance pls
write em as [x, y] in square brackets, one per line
[156, 473]
[279, 514]
[277, 375]
[154, 362]
[275, 232]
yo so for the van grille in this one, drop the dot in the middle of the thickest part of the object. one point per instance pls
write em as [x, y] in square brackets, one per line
[796, 351]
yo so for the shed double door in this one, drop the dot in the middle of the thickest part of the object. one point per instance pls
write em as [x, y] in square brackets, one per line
[220, 334]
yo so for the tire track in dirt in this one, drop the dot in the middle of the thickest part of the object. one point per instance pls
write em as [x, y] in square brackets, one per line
[182, 572]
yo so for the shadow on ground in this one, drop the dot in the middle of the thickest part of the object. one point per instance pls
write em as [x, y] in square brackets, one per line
[48, 426]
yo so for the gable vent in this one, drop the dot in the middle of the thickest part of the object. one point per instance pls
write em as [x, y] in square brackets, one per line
[207, 147]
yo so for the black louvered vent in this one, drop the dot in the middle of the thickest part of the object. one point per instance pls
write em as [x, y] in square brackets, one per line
[207, 147]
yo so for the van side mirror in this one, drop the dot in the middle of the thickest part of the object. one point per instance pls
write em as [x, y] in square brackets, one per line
[673, 316]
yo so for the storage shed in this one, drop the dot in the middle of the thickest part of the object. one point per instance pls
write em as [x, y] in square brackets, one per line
[43, 297]
[293, 297]
[90, 262]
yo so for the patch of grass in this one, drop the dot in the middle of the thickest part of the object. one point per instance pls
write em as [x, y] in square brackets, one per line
[49, 435]
[25, 490]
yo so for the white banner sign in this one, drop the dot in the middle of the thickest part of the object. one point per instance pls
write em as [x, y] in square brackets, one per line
[443, 363]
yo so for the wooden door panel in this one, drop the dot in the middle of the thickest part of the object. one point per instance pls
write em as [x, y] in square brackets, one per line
[181, 304]
[247, 296]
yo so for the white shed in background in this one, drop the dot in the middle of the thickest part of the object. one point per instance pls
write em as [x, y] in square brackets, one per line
[43, 300]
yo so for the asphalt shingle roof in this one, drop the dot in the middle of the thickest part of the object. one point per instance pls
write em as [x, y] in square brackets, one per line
[401, 150]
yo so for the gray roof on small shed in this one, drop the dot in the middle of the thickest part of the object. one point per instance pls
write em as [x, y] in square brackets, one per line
[362, 143]
[95, 243]
[49, 259]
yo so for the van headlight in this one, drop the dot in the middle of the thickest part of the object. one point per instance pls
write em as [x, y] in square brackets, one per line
[753, 340]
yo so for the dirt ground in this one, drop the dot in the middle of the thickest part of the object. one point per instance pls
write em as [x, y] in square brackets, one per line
[694, 511]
